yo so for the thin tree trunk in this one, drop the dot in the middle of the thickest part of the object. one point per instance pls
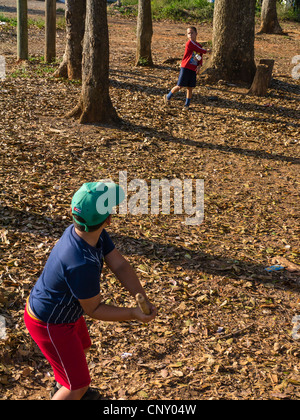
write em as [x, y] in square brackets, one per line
[269, 20]
[72, 59]
[144, 34]
[22, 30]
[94, 104]
[50, 31]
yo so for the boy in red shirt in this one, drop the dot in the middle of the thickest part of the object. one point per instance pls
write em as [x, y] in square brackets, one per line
[190, 64]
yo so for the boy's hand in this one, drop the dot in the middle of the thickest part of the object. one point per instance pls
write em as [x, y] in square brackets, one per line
[140, 316]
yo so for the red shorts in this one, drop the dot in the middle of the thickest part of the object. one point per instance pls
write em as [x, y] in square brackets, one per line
[63, 346]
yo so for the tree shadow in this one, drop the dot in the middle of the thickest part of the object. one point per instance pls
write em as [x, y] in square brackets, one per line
[269, 112]
[283, 86]
[20, 221]
[165, 136]
[203, 262]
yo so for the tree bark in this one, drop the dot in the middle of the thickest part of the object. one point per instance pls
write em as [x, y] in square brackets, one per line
[232, 56]
[50, 31]
[262, 78]
[75, 18]
[269, 20]
[259, 86]
[144, 34]
[94, 104]
[22, 30]
[270, 64]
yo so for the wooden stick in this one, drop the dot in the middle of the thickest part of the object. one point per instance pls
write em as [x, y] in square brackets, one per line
[142, 304]
[237, 332]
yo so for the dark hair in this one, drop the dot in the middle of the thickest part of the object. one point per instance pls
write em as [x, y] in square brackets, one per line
[82, 228]
[192, 27]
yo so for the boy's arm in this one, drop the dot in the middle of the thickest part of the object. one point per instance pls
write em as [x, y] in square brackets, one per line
[196, 47]
[95, 308]
[125, 273]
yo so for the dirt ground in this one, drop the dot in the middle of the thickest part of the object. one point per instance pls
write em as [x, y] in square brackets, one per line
[224, 328]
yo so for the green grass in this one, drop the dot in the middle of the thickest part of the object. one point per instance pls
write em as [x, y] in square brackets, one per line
[182, 9]
[38, 23]
[178, 10]
[10, 21]
[288, 14]
[283, 13]
[195, 10]
[35, 65]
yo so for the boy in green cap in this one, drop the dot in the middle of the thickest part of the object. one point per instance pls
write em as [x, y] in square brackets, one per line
[69, 287]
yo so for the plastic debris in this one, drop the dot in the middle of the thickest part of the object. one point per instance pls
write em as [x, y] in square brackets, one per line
[124, 355]
[275, 268]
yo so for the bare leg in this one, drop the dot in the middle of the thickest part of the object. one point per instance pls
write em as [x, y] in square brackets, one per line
[189, 92]
[175, 89]
[65, 394]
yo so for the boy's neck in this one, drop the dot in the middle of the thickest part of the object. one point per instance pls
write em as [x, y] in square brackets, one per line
[91, 238]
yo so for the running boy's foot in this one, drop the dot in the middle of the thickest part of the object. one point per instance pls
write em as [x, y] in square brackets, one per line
[185, 108]
[166, 100]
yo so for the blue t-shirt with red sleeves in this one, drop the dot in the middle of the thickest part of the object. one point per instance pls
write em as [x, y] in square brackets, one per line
[71, 272]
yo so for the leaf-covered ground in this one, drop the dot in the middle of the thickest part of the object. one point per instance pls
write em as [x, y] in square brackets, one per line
[224, 325]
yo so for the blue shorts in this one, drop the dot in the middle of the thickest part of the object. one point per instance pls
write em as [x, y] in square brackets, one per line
[187, 78]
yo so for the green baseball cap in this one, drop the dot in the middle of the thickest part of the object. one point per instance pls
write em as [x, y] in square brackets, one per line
[94, 202]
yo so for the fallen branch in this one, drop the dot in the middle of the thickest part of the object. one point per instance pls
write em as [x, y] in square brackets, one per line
[237, 332]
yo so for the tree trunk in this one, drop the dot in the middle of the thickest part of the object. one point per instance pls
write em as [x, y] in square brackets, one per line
[75, 19]
[94, 104]
[144, 34]
[22, 30]
[232, 56]
[50, 31]
[269, 20]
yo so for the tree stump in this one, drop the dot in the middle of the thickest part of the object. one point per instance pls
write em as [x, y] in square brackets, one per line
[270, 64]
[262, 78]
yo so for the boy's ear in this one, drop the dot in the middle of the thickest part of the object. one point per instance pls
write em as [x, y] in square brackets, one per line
[108, 220]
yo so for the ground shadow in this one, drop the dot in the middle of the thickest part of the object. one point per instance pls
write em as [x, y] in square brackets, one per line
[157, 251]
[259, 154]
[269, 113]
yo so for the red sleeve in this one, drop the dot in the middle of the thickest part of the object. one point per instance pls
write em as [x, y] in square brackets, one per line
[195, 46]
